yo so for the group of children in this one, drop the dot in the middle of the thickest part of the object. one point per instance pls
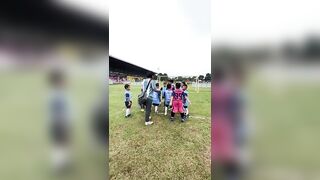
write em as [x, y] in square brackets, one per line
[175, 98]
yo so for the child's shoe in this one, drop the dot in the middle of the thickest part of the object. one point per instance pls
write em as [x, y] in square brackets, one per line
[148, 123]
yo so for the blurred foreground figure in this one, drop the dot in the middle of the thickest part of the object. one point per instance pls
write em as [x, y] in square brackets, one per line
[100, 122]
[59, 122]
[228, 125]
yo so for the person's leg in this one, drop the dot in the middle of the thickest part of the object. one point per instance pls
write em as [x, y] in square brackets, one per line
[127, 108]
[144, 106]
[61, 140]
[182, 117]
[148, 109]
[129, 113]
[165, 110]
[156, 109]
[174, 109]
[186, 110]
[172, 114]
[181, 110]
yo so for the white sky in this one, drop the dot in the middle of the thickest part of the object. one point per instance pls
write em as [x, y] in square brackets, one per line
[240, 22]
[168, 36]
[162, 33]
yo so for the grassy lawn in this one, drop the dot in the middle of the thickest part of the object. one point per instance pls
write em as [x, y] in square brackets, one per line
[164, 150]
[25, 147]
[287, 124]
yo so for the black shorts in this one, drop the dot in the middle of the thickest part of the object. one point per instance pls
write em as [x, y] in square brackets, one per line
[60, 133]
[167, 105]
[185, 106]
[128, 104]
[155, 104]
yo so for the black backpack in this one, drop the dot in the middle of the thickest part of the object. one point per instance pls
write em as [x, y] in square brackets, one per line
[142, 98]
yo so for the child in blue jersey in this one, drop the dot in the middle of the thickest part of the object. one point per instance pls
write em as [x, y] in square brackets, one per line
[186, 100]
[163, 89]
[127, 100]
[167, 95]
[156, 99]
[172, 84]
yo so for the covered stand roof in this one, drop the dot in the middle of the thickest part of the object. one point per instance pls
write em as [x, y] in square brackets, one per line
[117, 65]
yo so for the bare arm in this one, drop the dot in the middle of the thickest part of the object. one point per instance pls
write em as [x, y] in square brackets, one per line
[153, 86]
[188, 100]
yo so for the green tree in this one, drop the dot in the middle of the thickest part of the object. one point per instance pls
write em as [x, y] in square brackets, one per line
[208, 77]
[201, 77]
[194, 78]
[165, 77]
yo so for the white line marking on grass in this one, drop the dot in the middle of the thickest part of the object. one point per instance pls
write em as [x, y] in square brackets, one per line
[198, 117]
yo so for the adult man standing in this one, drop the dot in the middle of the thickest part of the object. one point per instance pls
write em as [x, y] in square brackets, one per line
[149, 89]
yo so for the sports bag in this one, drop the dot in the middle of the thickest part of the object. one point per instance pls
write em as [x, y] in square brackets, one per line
[142, 98]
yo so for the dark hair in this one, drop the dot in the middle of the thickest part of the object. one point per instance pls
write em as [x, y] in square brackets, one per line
[171, 80]
[168, 86]
[150, 75]
[178, 85]
[157, 84]
[185, 85]
[56, 77]
[126, 86]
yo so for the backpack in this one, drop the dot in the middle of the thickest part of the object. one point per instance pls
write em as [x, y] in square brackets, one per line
[142, 98]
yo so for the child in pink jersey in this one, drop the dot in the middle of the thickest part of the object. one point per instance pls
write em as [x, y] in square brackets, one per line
[177, 102]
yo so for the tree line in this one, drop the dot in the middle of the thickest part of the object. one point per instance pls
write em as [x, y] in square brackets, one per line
[205, 78]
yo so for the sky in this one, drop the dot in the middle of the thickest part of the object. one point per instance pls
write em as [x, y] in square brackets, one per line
[167, 36]
[245, 22]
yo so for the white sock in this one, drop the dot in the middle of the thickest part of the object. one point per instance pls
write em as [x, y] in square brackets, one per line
[155, 108]
[187, 111]
[60, 156]
[165, 110]
[127, 112]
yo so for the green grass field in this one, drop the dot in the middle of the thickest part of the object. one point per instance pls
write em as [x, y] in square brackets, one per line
[285, 138]
[285, 142]
[164, 150]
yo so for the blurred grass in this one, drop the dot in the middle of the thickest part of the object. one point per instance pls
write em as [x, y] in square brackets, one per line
[25, 147]
[164, 150]
[287, 129]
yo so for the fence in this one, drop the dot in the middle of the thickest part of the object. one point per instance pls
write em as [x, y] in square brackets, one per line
[201, 85]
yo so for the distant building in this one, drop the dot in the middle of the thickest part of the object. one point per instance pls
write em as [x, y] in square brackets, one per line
[121, 71]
